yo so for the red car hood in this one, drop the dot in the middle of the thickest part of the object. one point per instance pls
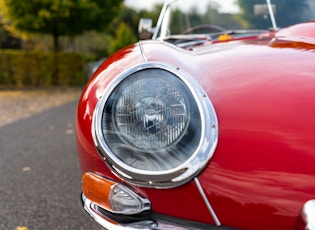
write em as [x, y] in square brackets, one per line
[263, 91]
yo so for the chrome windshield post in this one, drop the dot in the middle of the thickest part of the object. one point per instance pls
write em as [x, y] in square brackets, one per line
[272, 15]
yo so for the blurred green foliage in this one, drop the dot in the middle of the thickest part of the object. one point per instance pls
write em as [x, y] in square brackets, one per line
[57, 17]
[34, 60]
[124, 35]
[41, 68]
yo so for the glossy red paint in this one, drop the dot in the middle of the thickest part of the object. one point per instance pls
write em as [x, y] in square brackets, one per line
[303, 32]
[263, 92]
[263, 164]
[88, 156]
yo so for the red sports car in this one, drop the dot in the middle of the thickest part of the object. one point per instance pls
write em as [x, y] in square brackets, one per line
[208, 124]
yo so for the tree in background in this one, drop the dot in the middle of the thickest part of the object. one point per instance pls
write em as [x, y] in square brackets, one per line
[57, 17]
[124, 36]
[7, 41]
[131, 17]
[124, 28]
[283, 8]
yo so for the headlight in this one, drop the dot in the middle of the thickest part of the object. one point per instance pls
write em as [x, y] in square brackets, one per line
[154, 126]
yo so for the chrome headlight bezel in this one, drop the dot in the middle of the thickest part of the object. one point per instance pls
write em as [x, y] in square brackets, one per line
[170, 177]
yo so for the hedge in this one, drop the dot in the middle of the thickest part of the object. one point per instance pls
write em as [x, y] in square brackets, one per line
[35, 68]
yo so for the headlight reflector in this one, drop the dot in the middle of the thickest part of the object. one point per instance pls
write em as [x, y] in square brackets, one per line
[150, 126]
[150, 113]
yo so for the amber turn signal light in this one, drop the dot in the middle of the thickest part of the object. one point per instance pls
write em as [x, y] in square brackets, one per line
[112, 196]
[97, 189]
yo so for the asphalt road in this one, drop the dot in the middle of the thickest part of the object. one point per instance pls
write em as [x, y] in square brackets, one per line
[40, 179]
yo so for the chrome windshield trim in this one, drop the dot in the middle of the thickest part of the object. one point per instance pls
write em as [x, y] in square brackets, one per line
[202, 193]
[159, 24]
[272, 15]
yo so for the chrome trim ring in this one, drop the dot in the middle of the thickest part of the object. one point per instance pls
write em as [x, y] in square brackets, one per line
[170, 177]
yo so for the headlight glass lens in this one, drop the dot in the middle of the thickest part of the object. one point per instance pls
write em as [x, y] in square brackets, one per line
[150, 121]
[151, 113]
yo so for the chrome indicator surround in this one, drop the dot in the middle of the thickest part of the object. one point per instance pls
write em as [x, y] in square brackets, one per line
[150, 221]
[171, 177]
[92, 209]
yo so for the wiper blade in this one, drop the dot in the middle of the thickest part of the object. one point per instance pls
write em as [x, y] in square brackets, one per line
[188, 40]
[238, 32]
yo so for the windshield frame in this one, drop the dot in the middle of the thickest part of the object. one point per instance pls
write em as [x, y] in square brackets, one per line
[161, 20]
[161, 29]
